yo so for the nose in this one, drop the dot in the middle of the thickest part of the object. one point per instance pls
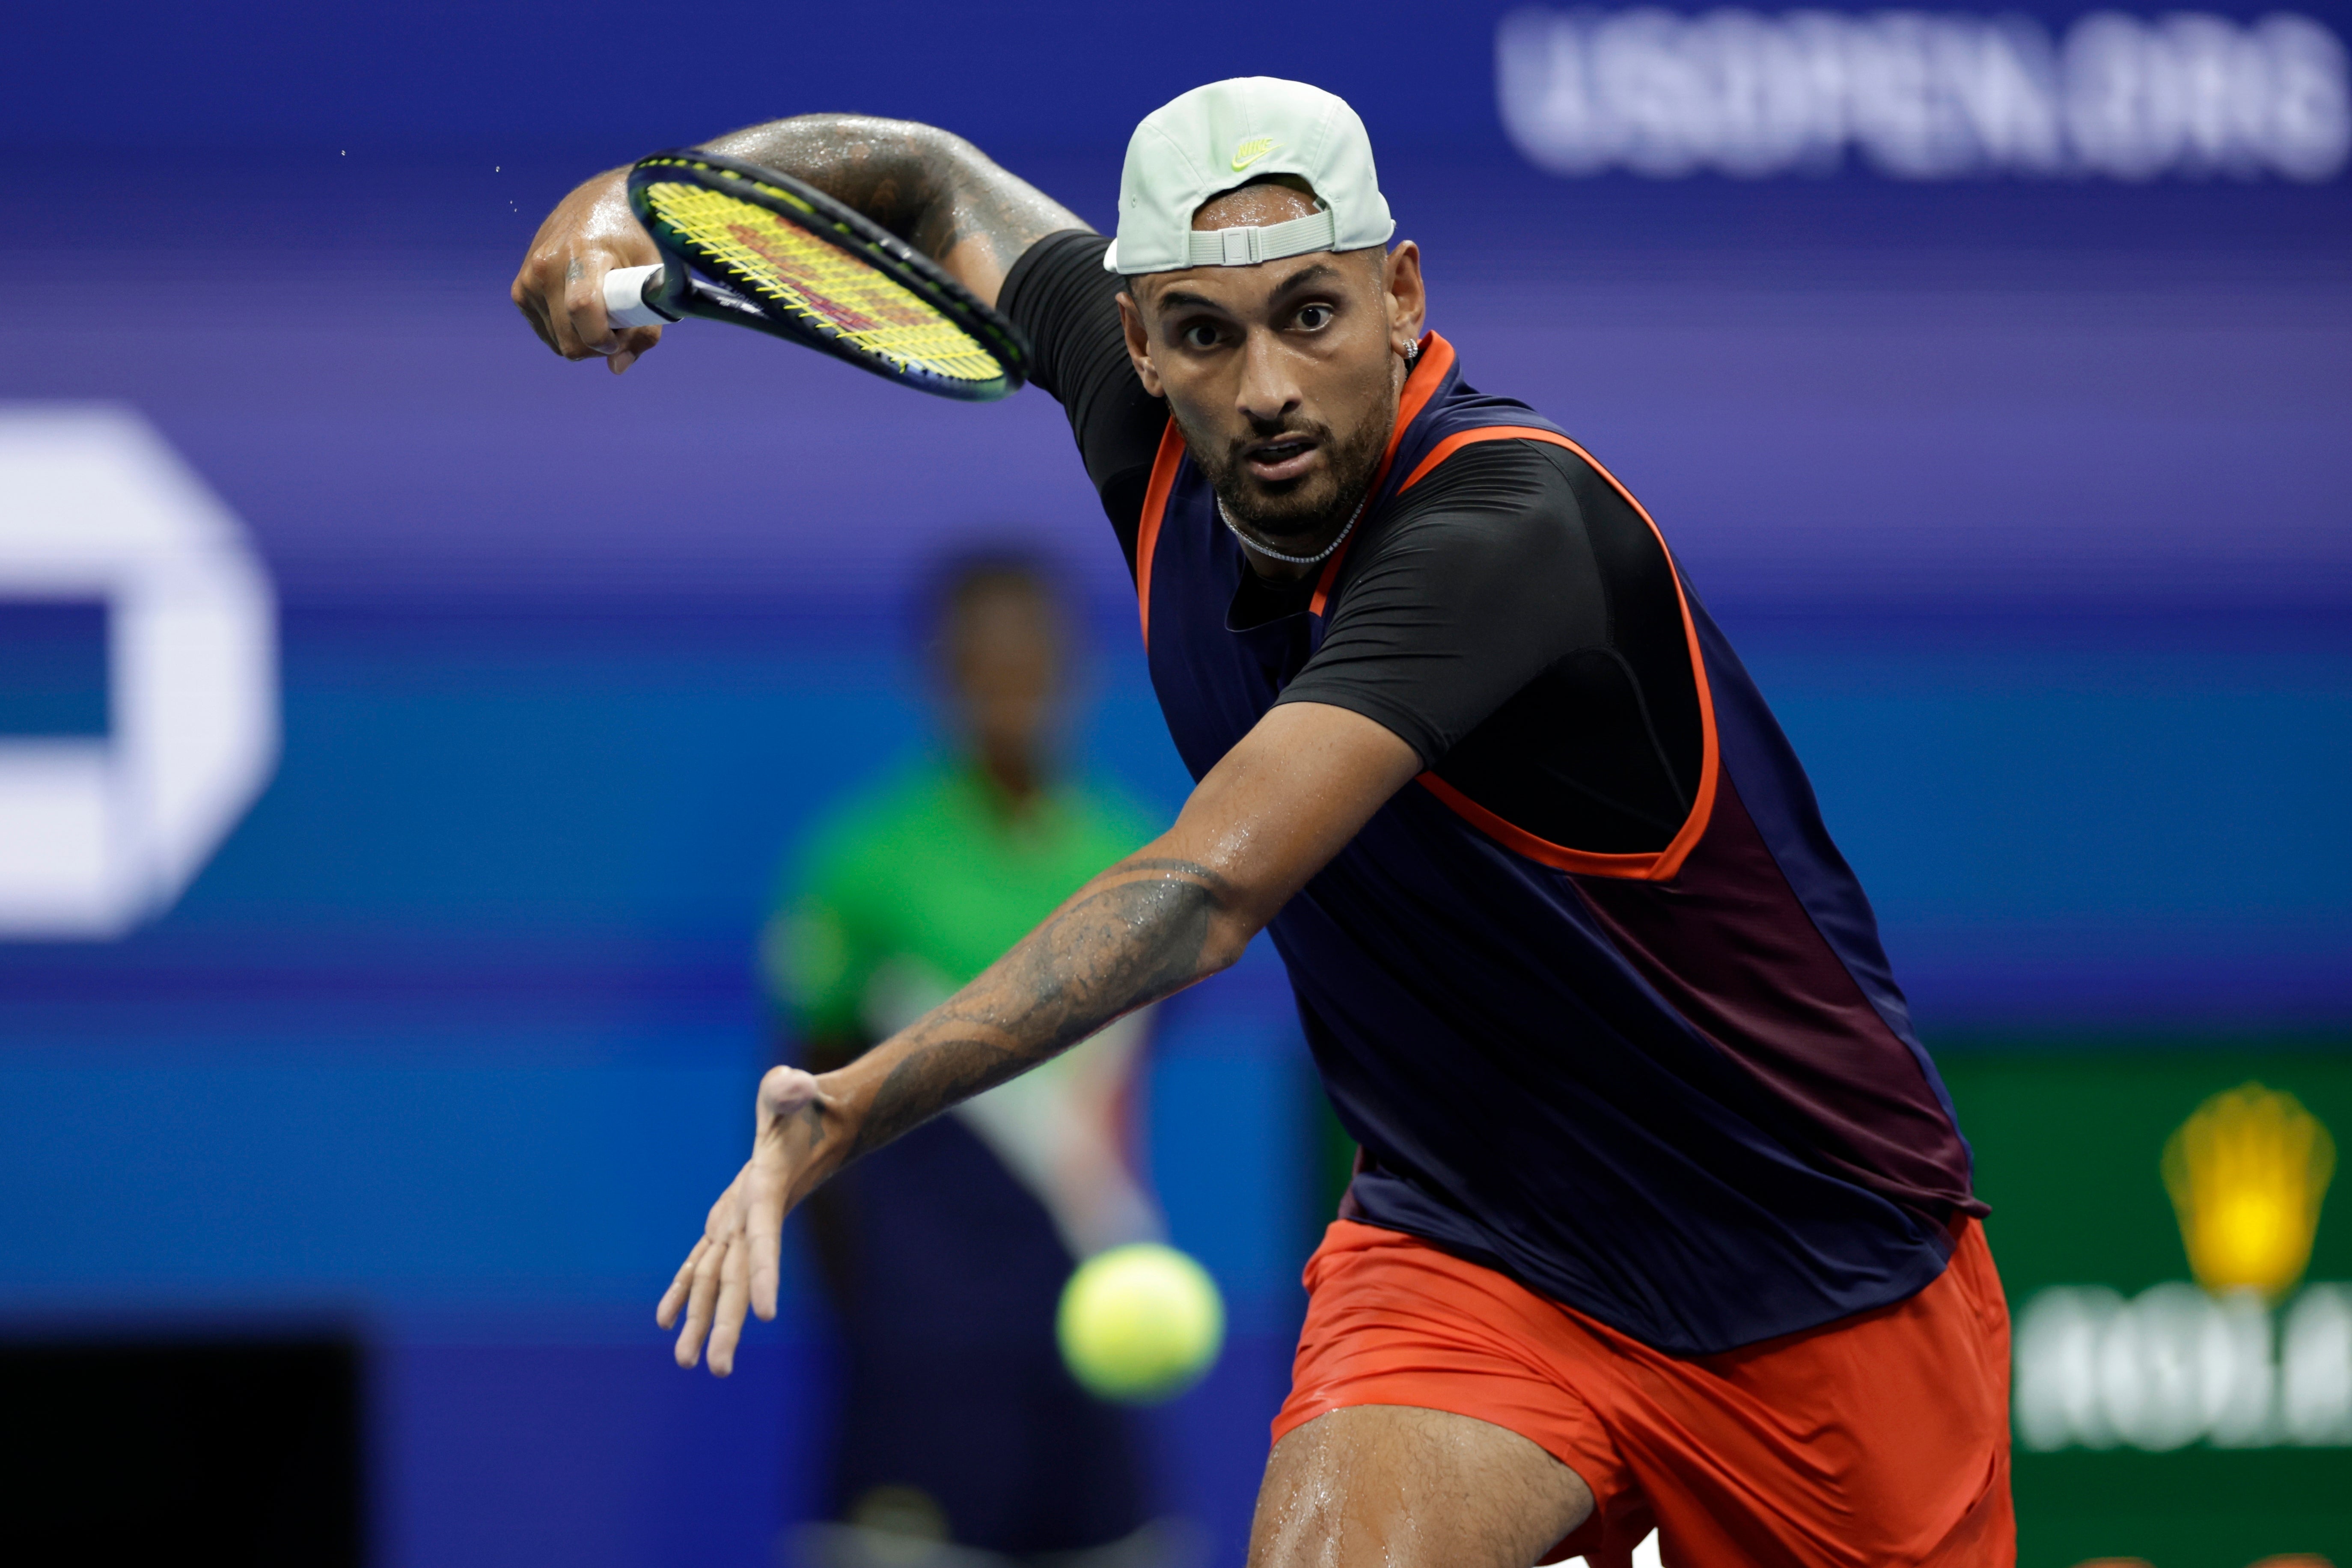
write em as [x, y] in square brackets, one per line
[1268, 391]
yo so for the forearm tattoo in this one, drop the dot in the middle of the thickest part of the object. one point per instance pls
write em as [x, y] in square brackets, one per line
[1142, 933]
[933, 190]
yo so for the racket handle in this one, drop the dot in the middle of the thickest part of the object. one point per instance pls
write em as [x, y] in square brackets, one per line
[625, 290]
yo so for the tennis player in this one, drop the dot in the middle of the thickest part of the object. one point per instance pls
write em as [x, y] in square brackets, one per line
[1663, 1217]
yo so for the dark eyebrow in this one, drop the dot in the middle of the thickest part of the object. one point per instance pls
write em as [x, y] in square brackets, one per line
[1174, 298]
[1306, 275]
[1178, 298]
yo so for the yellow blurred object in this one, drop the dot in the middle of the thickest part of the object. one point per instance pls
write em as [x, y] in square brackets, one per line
[2247, 1172]
[1139, 1323]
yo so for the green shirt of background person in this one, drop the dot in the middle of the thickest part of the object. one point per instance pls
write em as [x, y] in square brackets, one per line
[934, 1252]
[907, 893]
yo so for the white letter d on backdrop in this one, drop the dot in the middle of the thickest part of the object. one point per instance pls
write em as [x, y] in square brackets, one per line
[97, 835]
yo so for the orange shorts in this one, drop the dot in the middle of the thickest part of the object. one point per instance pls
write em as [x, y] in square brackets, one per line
[1880, 1438]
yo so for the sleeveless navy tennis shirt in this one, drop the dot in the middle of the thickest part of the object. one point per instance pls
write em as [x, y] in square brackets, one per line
[1678, 1091]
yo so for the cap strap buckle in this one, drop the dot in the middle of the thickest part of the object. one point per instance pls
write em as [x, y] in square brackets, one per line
[1248, 246]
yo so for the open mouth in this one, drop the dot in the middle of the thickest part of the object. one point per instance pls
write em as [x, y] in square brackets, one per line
[1282, 459]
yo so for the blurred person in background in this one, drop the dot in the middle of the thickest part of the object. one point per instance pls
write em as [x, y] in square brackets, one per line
[944, 1254]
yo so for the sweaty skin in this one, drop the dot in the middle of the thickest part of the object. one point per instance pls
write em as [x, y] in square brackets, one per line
[1389, 1484]
[1285, 378]
[936, 192]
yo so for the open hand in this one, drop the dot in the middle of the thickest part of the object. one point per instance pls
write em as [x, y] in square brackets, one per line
[561, 286]
[735, 1264]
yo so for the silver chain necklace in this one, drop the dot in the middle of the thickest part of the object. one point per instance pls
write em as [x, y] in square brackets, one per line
[1411, 356]
[1316, 560]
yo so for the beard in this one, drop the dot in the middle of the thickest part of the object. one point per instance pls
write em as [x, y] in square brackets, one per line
[1295, 513]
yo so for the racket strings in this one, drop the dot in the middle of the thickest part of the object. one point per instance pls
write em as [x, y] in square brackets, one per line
[825, 287]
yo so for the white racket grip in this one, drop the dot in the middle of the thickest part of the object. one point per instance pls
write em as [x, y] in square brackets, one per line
[624, 296]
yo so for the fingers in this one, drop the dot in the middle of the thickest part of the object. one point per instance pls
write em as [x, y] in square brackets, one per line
[526, 300]
[674, 1298]
[737, 1266]
[567, 299]
[561, 286]
[699, 1280]
[702, 1302]
[542, 292]
[635, 341]
[727, 1325]
[763, 1232]
[784, 1093]
[541, 286]
[583, 303]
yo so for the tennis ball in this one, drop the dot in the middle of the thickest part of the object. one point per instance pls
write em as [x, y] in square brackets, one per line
[1139, 1323]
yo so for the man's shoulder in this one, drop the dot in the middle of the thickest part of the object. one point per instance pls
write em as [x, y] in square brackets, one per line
[1502, 481]
[1058, 294]
[1515, 519]
[1074, 250]
[1490, 494]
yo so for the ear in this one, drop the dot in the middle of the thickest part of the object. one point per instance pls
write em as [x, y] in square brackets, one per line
[1407, 304]
[1139, 342]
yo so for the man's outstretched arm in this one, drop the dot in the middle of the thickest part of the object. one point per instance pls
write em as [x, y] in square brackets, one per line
[1267, 817]
[936, 192]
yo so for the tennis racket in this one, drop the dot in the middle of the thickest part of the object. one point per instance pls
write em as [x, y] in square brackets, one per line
[743, 243]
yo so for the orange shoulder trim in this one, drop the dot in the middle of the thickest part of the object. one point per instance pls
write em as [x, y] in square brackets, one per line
[1155, 507]
[1663, 865]
[1428, 370]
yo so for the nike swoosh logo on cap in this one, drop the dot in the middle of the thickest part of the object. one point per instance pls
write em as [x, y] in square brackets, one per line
[1250, 152]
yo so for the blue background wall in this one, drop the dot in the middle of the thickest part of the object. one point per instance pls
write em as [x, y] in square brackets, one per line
[2025, 500]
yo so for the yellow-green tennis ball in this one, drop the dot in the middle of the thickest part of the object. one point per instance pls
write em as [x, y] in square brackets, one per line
[1139, 1323]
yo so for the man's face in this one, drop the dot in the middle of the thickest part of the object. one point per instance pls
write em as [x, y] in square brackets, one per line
[1003, 648]
[1283, 376]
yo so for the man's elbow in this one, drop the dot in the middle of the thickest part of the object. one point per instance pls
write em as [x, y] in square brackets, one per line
[1228, 937]
[1203, 913]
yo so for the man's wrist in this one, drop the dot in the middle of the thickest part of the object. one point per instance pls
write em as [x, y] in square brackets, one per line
[834, 1120]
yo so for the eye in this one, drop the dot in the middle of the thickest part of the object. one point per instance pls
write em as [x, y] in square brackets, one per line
[1199, 335]
[1314, 317]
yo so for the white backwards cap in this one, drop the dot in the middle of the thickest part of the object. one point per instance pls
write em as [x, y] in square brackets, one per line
[1225, 135]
